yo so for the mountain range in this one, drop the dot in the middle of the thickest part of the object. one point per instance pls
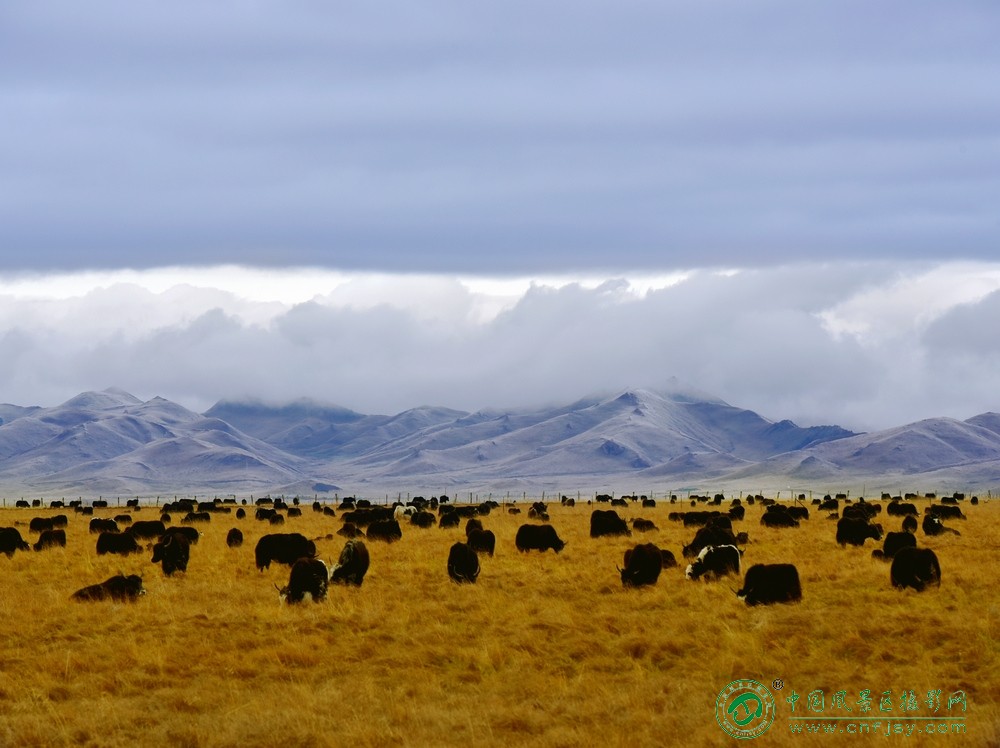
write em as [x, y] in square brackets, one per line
[111, 442]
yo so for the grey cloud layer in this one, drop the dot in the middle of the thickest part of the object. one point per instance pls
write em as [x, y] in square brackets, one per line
[515, 138]
[813, 343]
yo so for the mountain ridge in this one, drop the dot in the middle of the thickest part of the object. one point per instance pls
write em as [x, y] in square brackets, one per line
[111, 441]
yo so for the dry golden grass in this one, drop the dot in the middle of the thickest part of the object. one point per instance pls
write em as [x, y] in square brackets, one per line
[545, 650]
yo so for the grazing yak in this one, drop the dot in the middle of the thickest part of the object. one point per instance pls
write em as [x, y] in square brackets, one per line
[779, 515]
[916, 568]
[352, 565]
[350, 530]
[234, 538]
[11, 540]
[894, 541]
[483, 541]
[190, 534]
[99, 525]
[642, 565]
[51, 539]
[121, 588]
[689, 519]
[147, 529]
[309, 576]
[463, 563]
[538, 538]
[41, 524]
[540, 514]
[172, 553]
[422, 519]
[765, 584]
[910, 524]
[366, 515]
[856, 531]
[715, 561]
[283, 548]
[607, 522]
[643, 525]
[710, 534]
[899, 509]
[387, 530]
[119, 543]
[863, 512]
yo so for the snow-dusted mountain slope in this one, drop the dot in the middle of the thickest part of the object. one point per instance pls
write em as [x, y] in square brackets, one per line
[112, 442]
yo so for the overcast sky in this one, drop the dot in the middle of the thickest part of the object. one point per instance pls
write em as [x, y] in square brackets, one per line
[792, 205]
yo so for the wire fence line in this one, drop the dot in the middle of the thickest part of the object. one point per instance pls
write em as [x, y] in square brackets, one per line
[470, 497]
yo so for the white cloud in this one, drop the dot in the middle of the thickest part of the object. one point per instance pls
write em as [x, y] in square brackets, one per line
[910, 302]
[862, 345]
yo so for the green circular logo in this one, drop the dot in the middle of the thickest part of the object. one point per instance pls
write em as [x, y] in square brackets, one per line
[744, 709]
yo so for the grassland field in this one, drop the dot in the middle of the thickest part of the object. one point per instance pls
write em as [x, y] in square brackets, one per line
[545, 650]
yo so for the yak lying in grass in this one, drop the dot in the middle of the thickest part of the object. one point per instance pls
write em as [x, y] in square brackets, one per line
[120, 588]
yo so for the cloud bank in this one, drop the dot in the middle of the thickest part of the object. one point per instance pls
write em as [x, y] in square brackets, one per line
[863, 345]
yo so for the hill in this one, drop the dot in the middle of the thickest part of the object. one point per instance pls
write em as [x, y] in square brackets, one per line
[113, 442]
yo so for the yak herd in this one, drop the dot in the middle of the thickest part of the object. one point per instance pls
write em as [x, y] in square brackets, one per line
[715, 551]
